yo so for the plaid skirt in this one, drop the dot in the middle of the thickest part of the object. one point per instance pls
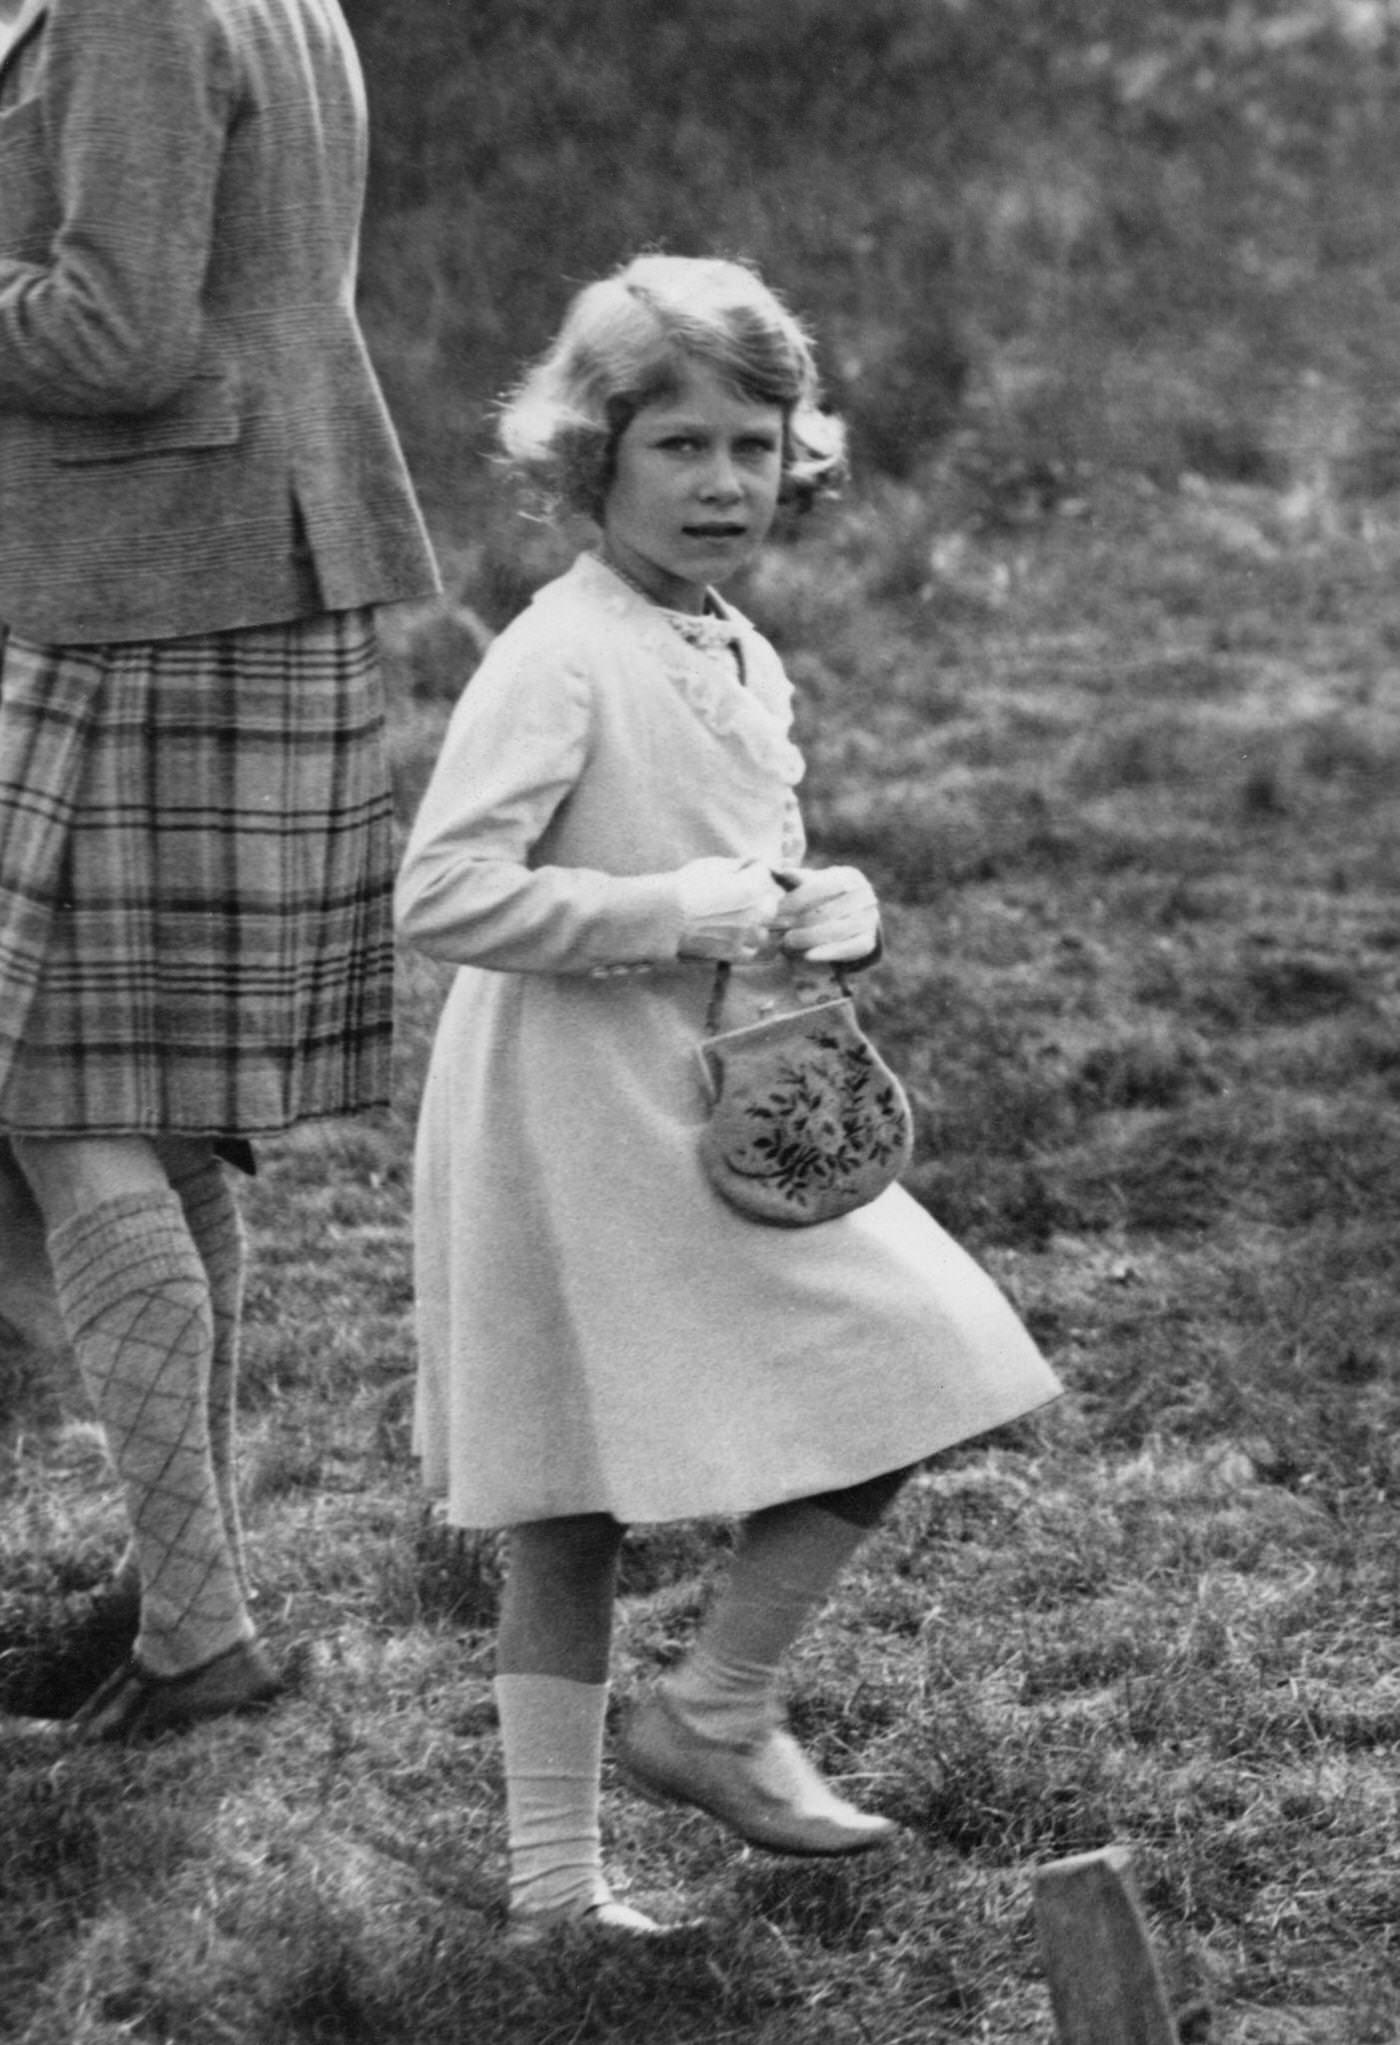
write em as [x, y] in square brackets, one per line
[196, 866]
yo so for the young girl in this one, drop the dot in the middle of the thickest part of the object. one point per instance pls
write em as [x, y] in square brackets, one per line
[602, 1339]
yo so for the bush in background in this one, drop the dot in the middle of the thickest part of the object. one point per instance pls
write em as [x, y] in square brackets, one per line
[1038, 238]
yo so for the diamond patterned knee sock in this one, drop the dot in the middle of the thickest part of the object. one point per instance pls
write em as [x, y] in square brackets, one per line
[134, 1297]
[213, 1220]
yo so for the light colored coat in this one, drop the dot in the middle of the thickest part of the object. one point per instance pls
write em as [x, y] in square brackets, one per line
[191, 434]
[598, 1331]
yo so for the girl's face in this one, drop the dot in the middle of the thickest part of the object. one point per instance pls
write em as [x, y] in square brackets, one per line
[694, 489]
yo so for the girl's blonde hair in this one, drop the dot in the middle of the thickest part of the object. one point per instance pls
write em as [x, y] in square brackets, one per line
[626, 342]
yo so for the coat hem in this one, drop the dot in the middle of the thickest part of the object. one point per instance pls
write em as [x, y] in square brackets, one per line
[739, 1504]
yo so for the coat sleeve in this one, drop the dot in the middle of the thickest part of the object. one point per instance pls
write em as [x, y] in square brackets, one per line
[134, 104]
[468, 889]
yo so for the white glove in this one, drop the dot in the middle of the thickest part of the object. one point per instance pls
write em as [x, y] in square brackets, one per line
[727, 908]
[831, 915]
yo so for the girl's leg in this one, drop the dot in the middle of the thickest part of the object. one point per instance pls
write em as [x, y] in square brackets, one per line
[788, 1559]
[557, 1604]
[713, 1735]
[551, 1697]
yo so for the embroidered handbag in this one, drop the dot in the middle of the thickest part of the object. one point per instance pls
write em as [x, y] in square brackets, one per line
[807, 1121]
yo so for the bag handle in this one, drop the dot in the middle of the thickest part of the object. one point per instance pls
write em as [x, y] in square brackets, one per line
[714, 1008]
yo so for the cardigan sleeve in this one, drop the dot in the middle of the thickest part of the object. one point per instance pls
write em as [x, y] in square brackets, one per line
[135, 103]
[468, 892]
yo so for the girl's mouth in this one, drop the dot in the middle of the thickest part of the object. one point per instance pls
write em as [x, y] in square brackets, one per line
[715, 532]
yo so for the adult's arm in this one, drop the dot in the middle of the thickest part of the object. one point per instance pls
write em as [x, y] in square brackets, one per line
[127, 142]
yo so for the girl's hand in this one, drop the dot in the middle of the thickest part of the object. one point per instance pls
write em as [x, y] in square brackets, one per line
[727, 907]
[831, 916]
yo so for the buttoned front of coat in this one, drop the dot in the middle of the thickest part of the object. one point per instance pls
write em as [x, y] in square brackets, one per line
[598, 1331]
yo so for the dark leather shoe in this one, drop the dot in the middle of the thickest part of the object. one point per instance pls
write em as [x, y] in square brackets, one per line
[133, 1704]
[50, 1674]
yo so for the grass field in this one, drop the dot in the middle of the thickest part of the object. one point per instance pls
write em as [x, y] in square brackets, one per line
[1125, 772]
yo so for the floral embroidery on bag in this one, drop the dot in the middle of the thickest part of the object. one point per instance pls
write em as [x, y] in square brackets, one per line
[808, 1121]
[823, 1121]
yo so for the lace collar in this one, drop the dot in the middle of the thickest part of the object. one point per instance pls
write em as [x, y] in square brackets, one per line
[716, 628]
[686, 644]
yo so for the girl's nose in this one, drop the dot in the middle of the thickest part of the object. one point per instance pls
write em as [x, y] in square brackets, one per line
[721, 481]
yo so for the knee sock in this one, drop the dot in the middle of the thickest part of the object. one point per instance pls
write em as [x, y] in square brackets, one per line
[213, 1219]
[135, 1300]
[788, 1559]
[552, 1734]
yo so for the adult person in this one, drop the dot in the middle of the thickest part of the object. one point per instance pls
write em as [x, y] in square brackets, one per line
[201, 502]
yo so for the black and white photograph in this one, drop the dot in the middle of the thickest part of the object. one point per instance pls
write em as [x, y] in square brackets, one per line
[699, 1022]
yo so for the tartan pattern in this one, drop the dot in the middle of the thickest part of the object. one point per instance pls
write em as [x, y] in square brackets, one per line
[196, 872]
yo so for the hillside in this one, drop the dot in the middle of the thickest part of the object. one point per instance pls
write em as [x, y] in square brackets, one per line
[1039, 239]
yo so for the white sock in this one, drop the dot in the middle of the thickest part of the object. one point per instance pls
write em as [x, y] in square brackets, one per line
[552, 1734]
[788, 1560]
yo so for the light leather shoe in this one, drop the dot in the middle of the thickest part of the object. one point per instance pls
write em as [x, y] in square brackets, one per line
[608, 1919]
[766, 1790]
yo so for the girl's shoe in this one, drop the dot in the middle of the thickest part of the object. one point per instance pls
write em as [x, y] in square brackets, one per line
[608, 1919]
[766, 1789]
